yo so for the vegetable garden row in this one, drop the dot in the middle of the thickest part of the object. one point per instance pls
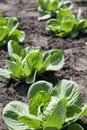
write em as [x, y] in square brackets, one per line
[51, 101]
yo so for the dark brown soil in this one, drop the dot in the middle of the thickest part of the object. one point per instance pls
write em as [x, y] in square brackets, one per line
[75, 51]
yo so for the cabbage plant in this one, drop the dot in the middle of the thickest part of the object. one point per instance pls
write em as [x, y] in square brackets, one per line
[49, 108]
[9, 30]
[50, 8]
[26, 63]
[67, 24]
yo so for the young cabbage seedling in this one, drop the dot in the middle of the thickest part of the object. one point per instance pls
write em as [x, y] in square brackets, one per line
[9, 30]
[50, 8]
[49, 108]
[67, 25]
[26, 63]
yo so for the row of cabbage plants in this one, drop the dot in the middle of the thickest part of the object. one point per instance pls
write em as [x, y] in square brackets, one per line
[48, 108]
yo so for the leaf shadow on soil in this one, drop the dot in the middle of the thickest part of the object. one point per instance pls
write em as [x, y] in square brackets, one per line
[21, 88]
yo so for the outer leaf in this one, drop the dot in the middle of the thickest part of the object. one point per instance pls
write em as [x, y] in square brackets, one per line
[82, 113]
[44, 17]
[29, 49]
[70, 90]
[72, 112]
[53, 25]
[67, 5]
[5, 73]
[73, 34]
[17, 35]
[62, 34]
[14, 48]
[75, 127]
[56, 60]
[38, 102]
[32, 122]
[55, 113]
[11, 113]
[38, 87]
[12, 24]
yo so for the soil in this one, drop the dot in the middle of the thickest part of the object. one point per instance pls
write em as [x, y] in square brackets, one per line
[75, 52]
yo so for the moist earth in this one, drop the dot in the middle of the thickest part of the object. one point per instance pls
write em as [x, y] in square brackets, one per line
[75, 52]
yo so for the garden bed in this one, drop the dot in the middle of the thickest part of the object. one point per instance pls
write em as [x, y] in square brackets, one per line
[75, 51]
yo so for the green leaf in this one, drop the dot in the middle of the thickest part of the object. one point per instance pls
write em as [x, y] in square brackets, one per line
[38, 101]
[56, 60]
[50, 8]
[83, 112]
[65, 16]
[15, 69]
[14, 48]
[67, 5]
[31, 77]
[73, 34]
[52, 5]
[62, 34]
[3, 33]
[17, 35]
[38, 87]
[17, 58]
[11, 113]
[67, 22]
[72, 112]
[46, 62]
[27, 68]
[75, 127]
[12, 24]
[30, 49]
[32, 122]
[3, 21]
[5, 73]
[70, 90]
[44, 17]
[67, 25]
[52, 25]
[81, 25]
[9, 31]
[23, 53]
[54, 114]
[43, 3]
[35, 59]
